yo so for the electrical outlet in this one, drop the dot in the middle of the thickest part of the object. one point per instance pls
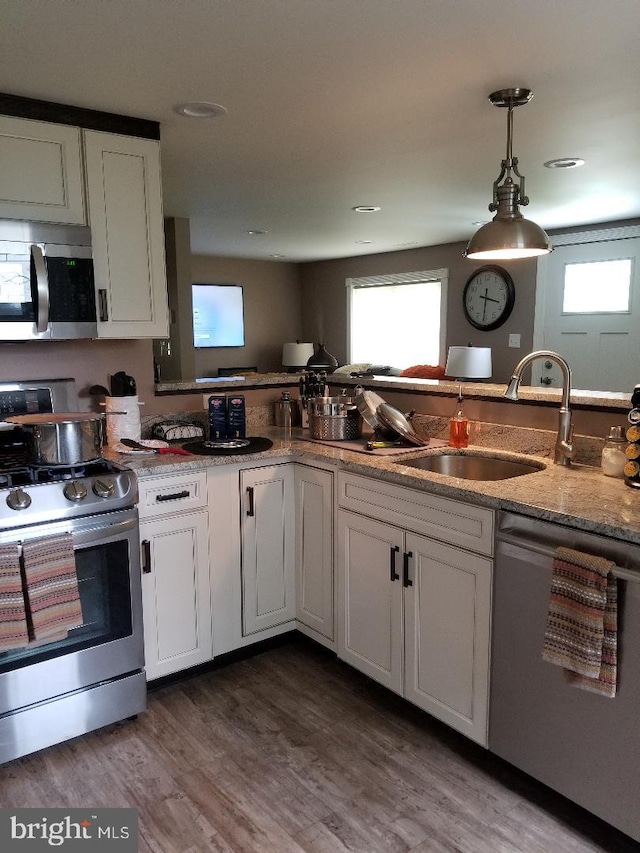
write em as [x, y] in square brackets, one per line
[514, 341]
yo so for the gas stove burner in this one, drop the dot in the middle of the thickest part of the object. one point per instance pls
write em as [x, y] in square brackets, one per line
[36, 495]
[33, 475]
[16, 476]
[52, 473]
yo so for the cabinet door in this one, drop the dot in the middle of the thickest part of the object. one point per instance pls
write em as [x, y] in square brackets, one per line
[176, 593]
[370, 631]
[125, 214]
[268, 582]
[447, 627]
[41, 174]
[314, 549]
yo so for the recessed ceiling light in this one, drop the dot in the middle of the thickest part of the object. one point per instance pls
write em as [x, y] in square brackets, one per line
[565, 163]
[254, 232]
[364, 242]
[200, 109]
[481, 222]
[366, 208]
[277, 256]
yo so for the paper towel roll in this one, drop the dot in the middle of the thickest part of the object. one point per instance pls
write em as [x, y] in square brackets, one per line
[121, 425]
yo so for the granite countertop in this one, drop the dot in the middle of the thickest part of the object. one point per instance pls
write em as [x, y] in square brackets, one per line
[579, 496]
[484, 390]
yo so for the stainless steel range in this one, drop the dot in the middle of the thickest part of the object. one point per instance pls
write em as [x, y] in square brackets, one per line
[60, 685]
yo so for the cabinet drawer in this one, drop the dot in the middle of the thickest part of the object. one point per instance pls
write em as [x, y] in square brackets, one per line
[451, 521]
[173, 493]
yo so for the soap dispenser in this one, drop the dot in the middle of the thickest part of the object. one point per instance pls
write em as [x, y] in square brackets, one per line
[459, 425]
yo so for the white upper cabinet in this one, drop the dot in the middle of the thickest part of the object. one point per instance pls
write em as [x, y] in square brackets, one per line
[41, 173]
[124, 199]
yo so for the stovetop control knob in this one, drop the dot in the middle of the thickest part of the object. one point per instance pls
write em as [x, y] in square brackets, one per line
[104, 488]
[75, 491]
[18, 499]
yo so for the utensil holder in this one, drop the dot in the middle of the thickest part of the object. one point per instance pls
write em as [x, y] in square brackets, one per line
[123, 418]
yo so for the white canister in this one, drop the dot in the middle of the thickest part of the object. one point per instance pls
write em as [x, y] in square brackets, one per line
[123, 418]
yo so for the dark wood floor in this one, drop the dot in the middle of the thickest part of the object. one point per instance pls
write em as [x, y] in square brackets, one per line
[291, 750]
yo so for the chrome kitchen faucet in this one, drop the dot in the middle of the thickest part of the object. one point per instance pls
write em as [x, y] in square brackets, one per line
[563, 453]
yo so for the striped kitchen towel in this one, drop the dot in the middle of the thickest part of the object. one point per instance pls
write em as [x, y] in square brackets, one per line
[582, 624]
[53, 600]
[13, 617]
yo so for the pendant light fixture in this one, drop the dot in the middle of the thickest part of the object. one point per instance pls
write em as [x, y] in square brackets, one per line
[509, 235]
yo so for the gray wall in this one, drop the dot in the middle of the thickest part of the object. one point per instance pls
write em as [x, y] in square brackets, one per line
[324, 316]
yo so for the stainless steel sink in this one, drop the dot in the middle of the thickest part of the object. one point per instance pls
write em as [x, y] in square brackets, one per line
[469, 466]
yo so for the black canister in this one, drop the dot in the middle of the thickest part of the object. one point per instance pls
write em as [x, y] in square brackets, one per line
[632, 452]
[322, 360]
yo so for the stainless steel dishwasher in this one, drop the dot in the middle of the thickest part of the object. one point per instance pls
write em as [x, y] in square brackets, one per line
[583, 745]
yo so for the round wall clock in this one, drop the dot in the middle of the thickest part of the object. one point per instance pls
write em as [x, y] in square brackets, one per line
[488, 297]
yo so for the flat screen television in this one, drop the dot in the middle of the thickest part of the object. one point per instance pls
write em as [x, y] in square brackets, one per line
[218, 315]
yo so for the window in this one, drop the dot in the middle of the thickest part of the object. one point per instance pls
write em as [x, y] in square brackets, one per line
[397, 320]
[597, 287]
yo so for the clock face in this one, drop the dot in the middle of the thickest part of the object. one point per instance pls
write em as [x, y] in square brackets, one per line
[488, 297]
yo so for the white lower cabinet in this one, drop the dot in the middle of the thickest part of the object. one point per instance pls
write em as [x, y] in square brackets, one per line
[413, 599]
[176, 586]
[314, 552]
[267, 547]
[414, 613]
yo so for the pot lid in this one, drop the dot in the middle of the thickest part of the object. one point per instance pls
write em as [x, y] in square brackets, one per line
[367, 403]
[393, 418]
[54, 418]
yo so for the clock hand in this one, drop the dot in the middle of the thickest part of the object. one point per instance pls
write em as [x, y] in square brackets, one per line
[484, 310]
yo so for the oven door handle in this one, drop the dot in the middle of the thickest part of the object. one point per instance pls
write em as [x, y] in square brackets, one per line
[102, 534]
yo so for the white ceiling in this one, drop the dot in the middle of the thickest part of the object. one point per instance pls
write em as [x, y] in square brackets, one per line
[337, 103]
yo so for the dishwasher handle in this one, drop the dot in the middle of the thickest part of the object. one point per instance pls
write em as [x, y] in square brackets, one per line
[515, 544]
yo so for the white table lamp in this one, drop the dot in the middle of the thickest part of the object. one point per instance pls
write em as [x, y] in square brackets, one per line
[296, 355]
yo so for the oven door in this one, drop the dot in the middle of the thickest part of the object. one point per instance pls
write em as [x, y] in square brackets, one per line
[109, 643]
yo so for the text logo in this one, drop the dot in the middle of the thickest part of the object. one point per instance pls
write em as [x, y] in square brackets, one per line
[36, 830]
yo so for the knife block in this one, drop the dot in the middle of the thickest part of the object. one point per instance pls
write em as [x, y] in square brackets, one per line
[123, 418]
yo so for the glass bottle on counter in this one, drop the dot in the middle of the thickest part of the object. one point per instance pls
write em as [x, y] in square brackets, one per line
[613, 453]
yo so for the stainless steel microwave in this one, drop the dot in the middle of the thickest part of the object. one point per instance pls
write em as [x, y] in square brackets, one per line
[47, 288]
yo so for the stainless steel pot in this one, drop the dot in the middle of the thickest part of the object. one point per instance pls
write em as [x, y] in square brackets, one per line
[64, 438]
[334, 418]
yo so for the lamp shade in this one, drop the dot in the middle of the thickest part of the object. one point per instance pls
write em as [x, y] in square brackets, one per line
[296, 354]
[469, 363]
[503, 239]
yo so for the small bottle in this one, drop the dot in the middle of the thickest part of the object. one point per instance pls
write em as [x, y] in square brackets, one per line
[459, 426]
[284, 416]
[614, 457]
